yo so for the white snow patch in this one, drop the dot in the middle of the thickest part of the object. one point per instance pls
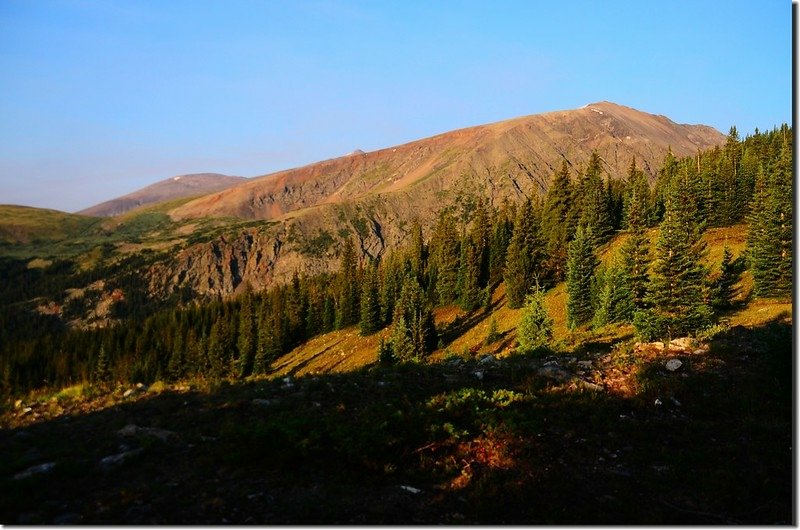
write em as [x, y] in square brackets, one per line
[176, 178]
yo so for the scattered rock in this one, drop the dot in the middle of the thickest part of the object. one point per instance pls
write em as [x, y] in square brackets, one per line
[114, 461]
[586, 365]
[489, 359]
[683, 343]
[128, 392]
[553, 371]
[411, 489]
[699, 352]
[25, 411]
[478, 375]
[259, 402]
[35, 470]
[674, 365]
[141, 387]
[162, 434]
[591, 386]
[657, 402]
[551, 363]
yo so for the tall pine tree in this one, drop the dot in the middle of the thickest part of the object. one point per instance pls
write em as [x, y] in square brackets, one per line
[581, 264]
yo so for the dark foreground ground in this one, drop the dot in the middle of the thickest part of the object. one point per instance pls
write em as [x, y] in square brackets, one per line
[618, 439]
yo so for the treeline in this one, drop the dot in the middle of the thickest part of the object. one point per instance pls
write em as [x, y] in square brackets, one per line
[530, 246]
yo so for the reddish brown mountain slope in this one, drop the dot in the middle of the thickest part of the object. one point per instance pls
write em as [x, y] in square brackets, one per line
[511, 157]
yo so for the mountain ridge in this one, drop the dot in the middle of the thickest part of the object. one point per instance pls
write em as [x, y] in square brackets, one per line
[536, 144]
[179, 186]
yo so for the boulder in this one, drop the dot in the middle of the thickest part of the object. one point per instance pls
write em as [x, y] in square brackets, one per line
[673, 365]
[488, 360]
[40, 469]
[683, 343]
[114, 461]
[161, 434]
[553, 371]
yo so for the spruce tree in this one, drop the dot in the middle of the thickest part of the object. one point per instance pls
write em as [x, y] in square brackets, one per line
[769, 238]
[676, 296]
[413, 331]
[347, 309]
[445, 252]
[535, 328]
[636, 249]
[371, 320]
[247, 337]
[581, 264]
[525, 255]
[614, 300]
[498, 247]
[556, 222]
[594, 198]
[723, 288]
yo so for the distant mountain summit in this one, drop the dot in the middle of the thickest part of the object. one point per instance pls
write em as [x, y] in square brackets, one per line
[172, 188]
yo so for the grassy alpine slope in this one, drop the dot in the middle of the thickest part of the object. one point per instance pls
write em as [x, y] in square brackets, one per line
[595, 431]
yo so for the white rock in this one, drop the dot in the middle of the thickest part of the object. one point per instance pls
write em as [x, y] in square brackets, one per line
[478, 374]
[658, 402]
[411, 489]
[127, 393]
[673, 365]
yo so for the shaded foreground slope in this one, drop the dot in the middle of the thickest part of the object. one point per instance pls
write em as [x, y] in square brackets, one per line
[710, 443]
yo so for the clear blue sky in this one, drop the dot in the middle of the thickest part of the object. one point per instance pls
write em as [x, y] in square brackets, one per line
[99, 98]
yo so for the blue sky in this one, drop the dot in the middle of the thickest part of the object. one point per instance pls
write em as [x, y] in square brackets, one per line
[99, 98]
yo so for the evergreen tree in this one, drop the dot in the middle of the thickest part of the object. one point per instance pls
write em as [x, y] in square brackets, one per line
[525, 256]
[594, 198]
[769, 238]
[371, 320]
[723, 288]
[614, 300]
[498, 247]
[557, 222]
[492, 335]
[413, 332]
[102, 370]
[535, 325]
[581, 264]
[247, 337]
[676, 298]
[347, 310]
[385, 352]
[264, 346]
[445, 252]
[469, 271]
[636, 249]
